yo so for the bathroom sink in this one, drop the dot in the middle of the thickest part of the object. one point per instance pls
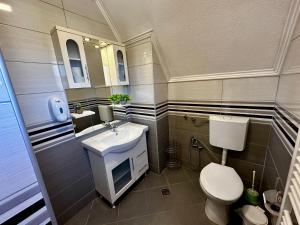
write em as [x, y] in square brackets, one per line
[124, 138]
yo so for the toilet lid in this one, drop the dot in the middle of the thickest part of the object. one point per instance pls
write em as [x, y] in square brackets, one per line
[254, 215]
[221, 182]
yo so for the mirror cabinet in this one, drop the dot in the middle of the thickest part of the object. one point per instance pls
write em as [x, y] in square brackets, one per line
[89, 61]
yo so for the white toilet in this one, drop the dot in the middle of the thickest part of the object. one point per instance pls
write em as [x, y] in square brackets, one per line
[221, 183]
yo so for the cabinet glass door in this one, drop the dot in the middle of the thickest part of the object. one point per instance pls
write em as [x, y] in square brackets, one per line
[121, 66]
[75, 61]
[121, 175]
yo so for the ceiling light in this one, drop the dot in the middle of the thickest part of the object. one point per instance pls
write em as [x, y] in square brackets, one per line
[5, 7]
[96, 46]
[103, 44]
[87, 39]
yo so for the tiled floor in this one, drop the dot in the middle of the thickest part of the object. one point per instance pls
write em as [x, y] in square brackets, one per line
[145, 205]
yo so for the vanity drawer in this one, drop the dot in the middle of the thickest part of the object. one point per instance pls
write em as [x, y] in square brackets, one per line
[142, 169]
[141, 160]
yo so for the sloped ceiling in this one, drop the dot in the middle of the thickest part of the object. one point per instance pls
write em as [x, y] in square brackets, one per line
[206, 36]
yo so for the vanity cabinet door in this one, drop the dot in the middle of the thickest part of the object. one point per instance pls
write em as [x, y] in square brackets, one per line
[74, 60]
[120, 173]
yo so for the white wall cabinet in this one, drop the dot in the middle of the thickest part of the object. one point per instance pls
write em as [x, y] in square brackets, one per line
[69, 50]
[115, 65]
[116, 172]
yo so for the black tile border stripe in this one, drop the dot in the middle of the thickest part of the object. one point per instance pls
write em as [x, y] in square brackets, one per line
[25, 213]
[49, 128]
[223, 106]
[290, 140]
[222, 113]
[292, 125]
[34, 143]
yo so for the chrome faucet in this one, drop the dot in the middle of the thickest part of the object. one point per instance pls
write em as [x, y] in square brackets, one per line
[112, 126]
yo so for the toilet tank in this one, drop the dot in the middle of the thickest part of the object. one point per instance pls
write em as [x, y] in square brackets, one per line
[228, 132]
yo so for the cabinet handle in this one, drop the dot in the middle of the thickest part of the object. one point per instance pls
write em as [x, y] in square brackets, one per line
[139, 155]
[132, 163]
[143, 168]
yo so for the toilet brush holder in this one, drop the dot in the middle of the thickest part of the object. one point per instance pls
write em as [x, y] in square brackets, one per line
[252, 196]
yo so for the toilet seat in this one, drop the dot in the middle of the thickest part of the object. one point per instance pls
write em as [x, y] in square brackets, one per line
[221, 182]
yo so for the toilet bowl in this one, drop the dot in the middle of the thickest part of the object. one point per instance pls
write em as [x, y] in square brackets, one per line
[252, 215]
[223, 186]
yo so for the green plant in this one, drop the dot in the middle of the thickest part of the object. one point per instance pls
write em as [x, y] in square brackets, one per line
[125, 97]
[118, 98]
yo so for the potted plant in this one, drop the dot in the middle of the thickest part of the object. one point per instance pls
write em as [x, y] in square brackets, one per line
[119, 98]
[78, 108]
[124, 99]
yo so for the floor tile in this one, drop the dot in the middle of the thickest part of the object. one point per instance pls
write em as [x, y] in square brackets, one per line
[192, 215]
[102, 213]
[184, 194]
[164, 218]
[192, 174]
[174, 176]
[145, 204]
[140, 185]
[158, 202]
[81, 217]
[154, 180]
[134, 204]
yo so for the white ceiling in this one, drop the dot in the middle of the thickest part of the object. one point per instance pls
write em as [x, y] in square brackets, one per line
[206, 36]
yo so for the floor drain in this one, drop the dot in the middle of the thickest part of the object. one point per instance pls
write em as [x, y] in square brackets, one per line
[165, 191]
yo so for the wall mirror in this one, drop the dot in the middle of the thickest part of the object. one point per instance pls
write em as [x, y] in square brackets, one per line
[93, 69]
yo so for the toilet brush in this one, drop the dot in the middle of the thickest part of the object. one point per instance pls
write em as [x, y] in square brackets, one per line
[251, 194]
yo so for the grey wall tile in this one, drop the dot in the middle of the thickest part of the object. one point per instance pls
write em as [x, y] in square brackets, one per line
[253, 156]
[289, 92]
[42, 77]
[160, 93]
[258, 133]
[196, 90]
[63, 201]
[141, 74]
[162, 140]
[143, 94]
[27, 46]
[81, 203]
[250, 89]
[244, 169]
[63, 165]
[140, 54]
[59, 156]
[34, 15]
[280, 155]
[271, 179]
[34, 107]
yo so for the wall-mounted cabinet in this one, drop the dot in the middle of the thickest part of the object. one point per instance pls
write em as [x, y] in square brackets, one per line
[115, 65]
[69, 51]
[89, 61]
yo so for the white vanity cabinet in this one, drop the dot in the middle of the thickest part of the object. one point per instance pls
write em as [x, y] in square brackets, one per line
[70, 53]
[114, 173]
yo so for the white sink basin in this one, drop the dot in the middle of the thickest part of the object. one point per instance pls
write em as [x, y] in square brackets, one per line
[126, 137]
